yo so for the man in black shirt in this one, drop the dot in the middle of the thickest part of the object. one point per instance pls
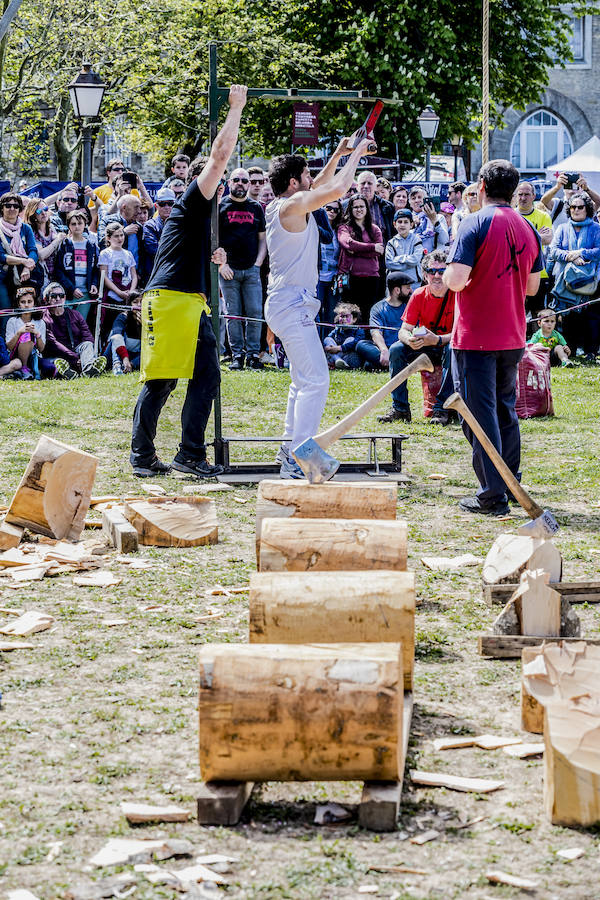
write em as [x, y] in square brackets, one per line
[177, 337]
[242, 236]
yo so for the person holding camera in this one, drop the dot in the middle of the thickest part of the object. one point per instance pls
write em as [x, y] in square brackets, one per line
[429, 224]
[26, 333]
[568, 182]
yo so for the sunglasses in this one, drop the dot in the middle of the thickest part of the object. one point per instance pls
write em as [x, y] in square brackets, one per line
[117, 169]
[69, 199]
[332, 208]
[237, 180]
[436, 271]
[165, 202]
[41, 209]
[257, 181]
[11, 206]
[57, 296]
[470, 195]
[576, 206]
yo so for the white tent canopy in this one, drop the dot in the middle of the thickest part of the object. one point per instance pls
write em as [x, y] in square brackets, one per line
[585, 161]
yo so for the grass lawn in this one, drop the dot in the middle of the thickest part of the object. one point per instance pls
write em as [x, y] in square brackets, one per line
[97, 715]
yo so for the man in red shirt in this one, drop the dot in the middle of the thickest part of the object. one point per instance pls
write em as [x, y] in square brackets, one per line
[426, 328]
[494, 262]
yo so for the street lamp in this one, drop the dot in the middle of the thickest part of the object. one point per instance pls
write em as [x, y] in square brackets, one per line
[457, 142]
[428, 123]
[86, 93]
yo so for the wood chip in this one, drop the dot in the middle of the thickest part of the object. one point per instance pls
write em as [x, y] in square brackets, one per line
[368, 889]
[6, 611]
[6, 646]
[29, 623]
[455, 782]
[95, 501]
[453, 743]
[571, 854]
[220, 591]
[493, 741]
[143, 812]
[207, 488]
[451, 563]
[330, 813]
[397, 870]
[154, 607]
[425, 837]
[113, 623]
[209, 617]
[437, 476]
[197, 873]
[523, 751]
[155, 489]
[101, 578]
[240, 499]
[34, 572]
[21, 894]
[497, 877]
[120, 851]
[483, 741]
[92, 523]
[469, 824]
[134, 563]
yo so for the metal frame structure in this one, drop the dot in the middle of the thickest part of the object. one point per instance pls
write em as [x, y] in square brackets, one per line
[217, 98]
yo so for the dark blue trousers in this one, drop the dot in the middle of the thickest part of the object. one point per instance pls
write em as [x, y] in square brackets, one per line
[486, 380]
[401, 355]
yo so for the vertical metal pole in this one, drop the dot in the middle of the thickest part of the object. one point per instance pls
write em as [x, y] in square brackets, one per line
[213, 118]
[86, 155]
[428, 161]
[485, 85]
[455, 151]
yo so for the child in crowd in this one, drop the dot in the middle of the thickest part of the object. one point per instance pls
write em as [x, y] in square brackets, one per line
[340, 343]
[9, 368]
[126, 338]
[404, 252]
[77, 264]
[547, 338]
[120, 275]
[26, 334]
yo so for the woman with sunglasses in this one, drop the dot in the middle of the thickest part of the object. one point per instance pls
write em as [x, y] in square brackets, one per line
[47, 240]
[18, 253]
[329, 255]
[361, 247]
[471, 204]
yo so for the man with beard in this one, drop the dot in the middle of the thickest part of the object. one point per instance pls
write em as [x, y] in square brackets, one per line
[242, 236]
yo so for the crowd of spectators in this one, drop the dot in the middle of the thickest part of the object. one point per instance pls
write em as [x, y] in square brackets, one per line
[380, 246]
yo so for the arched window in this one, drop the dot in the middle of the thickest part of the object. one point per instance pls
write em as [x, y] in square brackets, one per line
[540, 140]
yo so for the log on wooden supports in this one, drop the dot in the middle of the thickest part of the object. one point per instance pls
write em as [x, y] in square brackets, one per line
[222, 802]
[509, 646]
[572, 760]
[275, 712]
[574, 591]
[319, 545]
[174, 521]
[331, 500]
[120, 532]
[380, 801]
[511, 554]
[532, 711]
[54, 494]
[318, 607]
[10, 536]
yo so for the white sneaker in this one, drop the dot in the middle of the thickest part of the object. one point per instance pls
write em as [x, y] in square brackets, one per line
[290, 469]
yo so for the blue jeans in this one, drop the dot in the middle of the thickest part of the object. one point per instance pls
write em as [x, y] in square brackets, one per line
[5, 303]
[369, 353]
[486, 380]
[243, 296]
[400, 357]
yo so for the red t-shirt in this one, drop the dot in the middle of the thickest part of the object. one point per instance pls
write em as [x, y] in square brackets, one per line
[502, 248]
[423, 308]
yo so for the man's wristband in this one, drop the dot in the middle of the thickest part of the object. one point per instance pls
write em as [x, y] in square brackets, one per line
[440, 341]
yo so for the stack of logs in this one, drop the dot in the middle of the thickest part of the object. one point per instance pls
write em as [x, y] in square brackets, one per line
[322, 690]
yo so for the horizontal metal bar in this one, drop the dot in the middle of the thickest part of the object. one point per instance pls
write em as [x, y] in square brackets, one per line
[300, 94]
[254, 439]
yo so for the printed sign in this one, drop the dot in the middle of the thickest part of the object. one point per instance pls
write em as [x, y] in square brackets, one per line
[305, 125]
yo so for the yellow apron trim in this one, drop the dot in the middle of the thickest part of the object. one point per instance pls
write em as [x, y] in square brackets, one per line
[170, 323]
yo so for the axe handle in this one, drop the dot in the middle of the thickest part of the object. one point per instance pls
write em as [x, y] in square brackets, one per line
[329, 437]
[457, 403]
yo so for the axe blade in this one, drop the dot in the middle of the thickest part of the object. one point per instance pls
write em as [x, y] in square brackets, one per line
[545, 526]
[317, 465]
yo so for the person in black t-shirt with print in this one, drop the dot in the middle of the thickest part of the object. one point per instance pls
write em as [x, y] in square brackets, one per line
[242, 236]
[177, 291]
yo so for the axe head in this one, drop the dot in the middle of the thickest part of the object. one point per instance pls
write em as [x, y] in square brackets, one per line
[317, 465]
[544, 526]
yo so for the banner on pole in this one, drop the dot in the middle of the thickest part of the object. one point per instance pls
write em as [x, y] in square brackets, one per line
[305, 125]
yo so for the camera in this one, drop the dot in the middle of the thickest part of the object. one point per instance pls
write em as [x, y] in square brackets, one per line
[130, 178]
[81, 201]
[571, 178]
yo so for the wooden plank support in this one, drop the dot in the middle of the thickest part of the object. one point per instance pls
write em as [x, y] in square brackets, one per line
[120, 532]
[222, 802]
[509, 646]
[10, 536]
[380, 801]
[320, 545]
[574, 591]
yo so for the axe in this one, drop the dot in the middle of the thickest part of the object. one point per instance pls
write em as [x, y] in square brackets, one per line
[543, 523]
[319, 466]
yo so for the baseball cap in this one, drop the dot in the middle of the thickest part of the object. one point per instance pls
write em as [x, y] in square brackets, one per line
[165, 194]
[403, 214]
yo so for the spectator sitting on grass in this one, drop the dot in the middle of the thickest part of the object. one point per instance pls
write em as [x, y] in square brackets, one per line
[9, 368]
[340, 343]
[126, 339]
[385, 321]
[547, 338]
[69, 348]
[26, 333]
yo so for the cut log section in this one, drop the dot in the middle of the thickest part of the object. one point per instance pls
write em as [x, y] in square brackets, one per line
[319, 545]
[275, 712]
[174, 521]
[10, 536]
[314, 607]
[532, 711]
[332, 500]
[511, 554]
[54, 494]
[540, 605]
[120, 532]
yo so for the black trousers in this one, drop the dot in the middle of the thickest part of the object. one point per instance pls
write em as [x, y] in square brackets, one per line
[201, 391]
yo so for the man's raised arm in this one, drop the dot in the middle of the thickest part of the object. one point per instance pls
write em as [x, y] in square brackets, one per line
[224, 143]
[324, 191]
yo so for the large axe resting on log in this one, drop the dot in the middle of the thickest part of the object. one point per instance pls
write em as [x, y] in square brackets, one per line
[543, 524]
[318, 465]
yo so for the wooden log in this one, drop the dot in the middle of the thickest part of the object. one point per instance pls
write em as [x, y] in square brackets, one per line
[222, 802]
[509, 646]
[540, 605]
[119, 530]
[10, 536]
[380, 801]
[532, 712]
[316, 607]
[174, 521]
[275, 712]
[511, 554]
[319, 545]
[331, 500]
[54, 494]
[572, 760]
[574, 591]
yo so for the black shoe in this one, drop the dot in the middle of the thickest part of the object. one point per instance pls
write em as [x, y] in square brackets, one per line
[237, 365]
[156, 467]
[253, 362]
[198, 467]
[396, 415]
[439, 417]
[473, 505]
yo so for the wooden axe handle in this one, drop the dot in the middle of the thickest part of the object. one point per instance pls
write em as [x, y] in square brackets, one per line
[329, 437]
[457, 403]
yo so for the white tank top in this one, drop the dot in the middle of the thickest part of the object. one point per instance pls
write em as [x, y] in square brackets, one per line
[293, 255]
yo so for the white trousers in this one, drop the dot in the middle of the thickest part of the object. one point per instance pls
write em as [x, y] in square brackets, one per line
[292, 317]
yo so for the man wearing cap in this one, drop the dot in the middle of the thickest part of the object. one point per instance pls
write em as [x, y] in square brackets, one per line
[404, 251]
[165, 199]
[385, 320]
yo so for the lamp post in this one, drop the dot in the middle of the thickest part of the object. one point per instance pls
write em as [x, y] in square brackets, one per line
[428, 123]
[457, 142]
[86, 93]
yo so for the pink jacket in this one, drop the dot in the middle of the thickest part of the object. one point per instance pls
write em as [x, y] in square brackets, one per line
[359, 257]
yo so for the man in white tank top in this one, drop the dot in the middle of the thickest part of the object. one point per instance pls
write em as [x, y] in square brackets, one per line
[292, 305]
